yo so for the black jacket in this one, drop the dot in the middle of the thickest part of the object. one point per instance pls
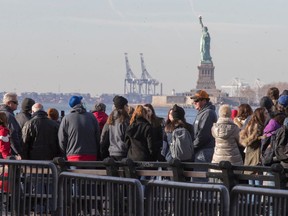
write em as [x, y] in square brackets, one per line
[40, 138]
[139, 140]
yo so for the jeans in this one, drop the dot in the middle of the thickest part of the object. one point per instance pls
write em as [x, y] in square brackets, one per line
[203, 156]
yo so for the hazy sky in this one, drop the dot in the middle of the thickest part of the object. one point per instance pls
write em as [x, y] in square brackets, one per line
[78, 46]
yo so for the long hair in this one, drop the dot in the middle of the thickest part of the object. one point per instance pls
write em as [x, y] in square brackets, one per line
[139, 111]
[258, 117]
[155, 120]
[121, 114]
[3, 119]
[244, 110]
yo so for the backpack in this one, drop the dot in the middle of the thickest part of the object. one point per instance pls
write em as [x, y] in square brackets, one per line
[268, 150]
[182, 145]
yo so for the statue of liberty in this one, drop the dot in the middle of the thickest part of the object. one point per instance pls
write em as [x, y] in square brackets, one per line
[205, 44]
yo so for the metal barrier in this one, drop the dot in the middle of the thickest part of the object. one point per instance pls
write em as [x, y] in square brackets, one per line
[183, 199]
[250, 201]
[28, 187]
[82, 194]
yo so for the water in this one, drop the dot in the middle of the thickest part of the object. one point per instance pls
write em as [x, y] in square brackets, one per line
[190, 113]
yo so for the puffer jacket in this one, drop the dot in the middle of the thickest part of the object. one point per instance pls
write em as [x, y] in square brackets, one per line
[226, 135]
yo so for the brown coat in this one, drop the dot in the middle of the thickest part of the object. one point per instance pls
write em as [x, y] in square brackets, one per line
[251, 138]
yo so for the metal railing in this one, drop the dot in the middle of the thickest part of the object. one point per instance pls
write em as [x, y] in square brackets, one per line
[183, 199]
[82, 194]
[28, 187]
[250, 201]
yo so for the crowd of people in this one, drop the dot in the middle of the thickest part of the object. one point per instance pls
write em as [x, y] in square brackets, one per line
[240, 135]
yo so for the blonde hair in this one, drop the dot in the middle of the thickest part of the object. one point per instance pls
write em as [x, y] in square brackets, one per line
[139, 111]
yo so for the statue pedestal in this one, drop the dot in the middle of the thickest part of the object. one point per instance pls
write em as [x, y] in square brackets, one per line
[206, 76]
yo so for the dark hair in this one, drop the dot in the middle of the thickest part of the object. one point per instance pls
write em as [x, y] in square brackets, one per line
[273, 93]
[3, 119]
[155, 120]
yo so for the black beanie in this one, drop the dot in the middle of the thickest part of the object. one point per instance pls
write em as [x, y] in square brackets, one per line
[119, 102]
[27, 104]
[178, 113]
[266, 102]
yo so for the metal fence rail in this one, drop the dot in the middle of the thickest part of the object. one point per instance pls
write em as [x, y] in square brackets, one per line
[83, 194]
[183, 199]
[252, 201]
[28, 187]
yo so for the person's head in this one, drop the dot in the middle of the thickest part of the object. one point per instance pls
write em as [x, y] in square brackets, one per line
[200, 99]
[27, 104]
[53, 114]
[75, 100]
[284, 92]
[120, 102]
[282, 105]
[100, 107]
[224, 111]
[244, 110]
[139, 112]
[10, 99]
[259, 116]
[3, 119]
[150, 111]
[37, 107]
[178, 113]
[273, 93]
[266, 102]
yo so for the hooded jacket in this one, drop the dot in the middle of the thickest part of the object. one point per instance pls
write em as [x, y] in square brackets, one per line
[79, 133]
[203, 123]
[226, 135]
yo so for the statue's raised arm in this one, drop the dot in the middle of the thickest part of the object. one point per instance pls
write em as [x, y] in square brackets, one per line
[205, 43]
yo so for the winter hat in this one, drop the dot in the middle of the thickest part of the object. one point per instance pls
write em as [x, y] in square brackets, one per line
[200, 94]
[74, 100]
[225, 111]
[27, 104]
[119, 102]
[266, 102]
[283, 100]
[234, 113]
[285, 92]
[178, 112]
[100, 107]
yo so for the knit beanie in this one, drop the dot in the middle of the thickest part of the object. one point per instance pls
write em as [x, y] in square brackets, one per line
[225, 111]
[178, 113]
[74, 100]
[283, 100]
[119, 102]
[27, 104]
[266, 102]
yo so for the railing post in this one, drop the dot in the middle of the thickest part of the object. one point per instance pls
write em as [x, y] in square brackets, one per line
[177, 170]
[280, 177]
[229, 179]
[129, 168]
[111, 167]
[60, 163]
